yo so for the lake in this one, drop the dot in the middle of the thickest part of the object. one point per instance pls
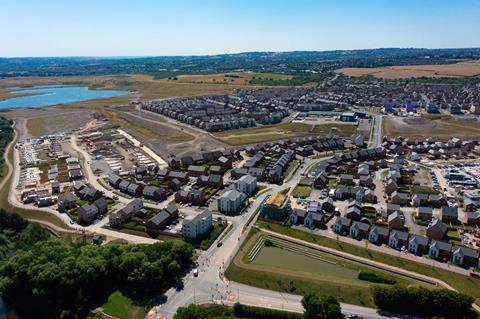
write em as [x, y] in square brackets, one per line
[46, 95]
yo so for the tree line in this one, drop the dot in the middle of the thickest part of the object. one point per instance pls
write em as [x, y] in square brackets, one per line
[43, 277]
[423, 302]
[6, 136]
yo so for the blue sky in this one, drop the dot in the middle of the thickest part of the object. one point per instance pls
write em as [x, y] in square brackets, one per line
[182, 27]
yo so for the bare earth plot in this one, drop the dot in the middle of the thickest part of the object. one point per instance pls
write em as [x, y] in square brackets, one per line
[441, 126]
[281, 131]
[470, 68]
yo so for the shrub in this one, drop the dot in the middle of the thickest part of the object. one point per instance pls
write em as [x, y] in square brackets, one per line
[368, 276]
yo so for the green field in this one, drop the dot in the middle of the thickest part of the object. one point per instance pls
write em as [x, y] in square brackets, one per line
[423, 190]
[122, 307]
[282, 131]
[465, 284]
[297, 270]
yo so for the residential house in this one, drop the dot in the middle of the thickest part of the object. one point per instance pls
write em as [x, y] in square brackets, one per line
[87, 213]
[419, 199]
[114, 180]
[342, 225]
[440, 250]
[192, 196]
[465, 256]
[449, 214]
[197, 171]
[418, 244]
[378, 234]
[297, 216]
[159, 221]
[181, 176]
[424, 213]
[67, 202]
[436, 229]
[101, 205]
[398, 239]
[396, 220]
[353, 213]
[327, 204]
[359, 230]
[437, 200]
[55, 185]
[390, 186]
[369, 196]
[314, 219]
[123, 185]
[400, 198]
[366, 181]
[471, 218]
[225, 162]
[391, 208]
[346, 179]
[154, 193]
[135, 189]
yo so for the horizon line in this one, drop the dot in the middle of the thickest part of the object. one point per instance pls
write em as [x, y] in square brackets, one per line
[230, 53]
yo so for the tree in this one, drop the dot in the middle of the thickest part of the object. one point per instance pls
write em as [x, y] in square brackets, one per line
[321, 307]
[192, 311]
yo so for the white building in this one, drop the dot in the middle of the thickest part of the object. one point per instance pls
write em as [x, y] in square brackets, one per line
[247, 184]
[197, 226]
[231, 201]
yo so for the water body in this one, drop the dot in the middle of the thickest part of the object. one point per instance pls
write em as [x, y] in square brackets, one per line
[47, 95]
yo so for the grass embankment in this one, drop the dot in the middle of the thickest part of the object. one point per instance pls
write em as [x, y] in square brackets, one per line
[465, 284]
[287, 267]
[122, 307]
[281, 131]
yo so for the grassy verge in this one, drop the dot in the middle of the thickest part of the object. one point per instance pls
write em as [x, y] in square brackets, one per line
[462, 283]
[122, 307]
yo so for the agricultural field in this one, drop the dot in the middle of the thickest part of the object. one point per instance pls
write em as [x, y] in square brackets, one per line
[281, 131]
[295, 269]
[233, 78]
[440, 126]
[460, 69]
